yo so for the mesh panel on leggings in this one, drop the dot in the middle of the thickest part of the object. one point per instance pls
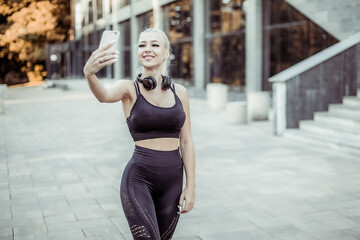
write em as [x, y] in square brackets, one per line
[139, 231]
[129, 211]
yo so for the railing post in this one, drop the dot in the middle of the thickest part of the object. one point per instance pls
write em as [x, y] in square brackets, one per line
[279, 103]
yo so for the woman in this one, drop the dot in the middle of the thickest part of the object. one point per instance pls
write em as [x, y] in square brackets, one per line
[158, 117]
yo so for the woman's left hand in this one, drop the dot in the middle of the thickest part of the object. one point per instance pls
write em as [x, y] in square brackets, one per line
[187, 200]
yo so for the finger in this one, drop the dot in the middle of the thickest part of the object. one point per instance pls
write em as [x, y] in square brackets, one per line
[105, 56]
[107, 63]
[107, 46]
[181, 201]
[183, 211]
[189, 205]
[106, 59]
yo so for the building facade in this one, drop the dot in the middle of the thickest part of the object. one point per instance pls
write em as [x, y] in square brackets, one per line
[237, 42]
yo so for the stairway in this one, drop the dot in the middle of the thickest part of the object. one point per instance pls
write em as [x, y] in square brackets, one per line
[339, 128]
[339, 18]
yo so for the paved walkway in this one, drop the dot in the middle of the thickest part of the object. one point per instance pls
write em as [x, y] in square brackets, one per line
[62, 154]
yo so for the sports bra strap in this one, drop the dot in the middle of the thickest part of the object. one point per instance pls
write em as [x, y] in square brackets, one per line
[137, 89]
[173, 88]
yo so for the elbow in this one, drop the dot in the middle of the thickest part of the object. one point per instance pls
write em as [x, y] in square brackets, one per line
[186, 142]
[101, 99]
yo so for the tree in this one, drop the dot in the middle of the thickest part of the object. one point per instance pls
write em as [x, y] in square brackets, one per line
[26, 26]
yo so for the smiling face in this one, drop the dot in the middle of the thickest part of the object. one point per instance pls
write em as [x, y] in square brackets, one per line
[152, 50]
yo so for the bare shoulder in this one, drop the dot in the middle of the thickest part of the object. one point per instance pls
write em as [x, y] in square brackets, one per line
[123, 88]
[181, 91]
[124, 83]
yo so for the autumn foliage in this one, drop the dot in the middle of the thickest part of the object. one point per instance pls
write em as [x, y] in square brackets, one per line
[25, 28]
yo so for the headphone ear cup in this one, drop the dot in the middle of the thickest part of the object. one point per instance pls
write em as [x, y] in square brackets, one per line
[149, 83]
[166, 83]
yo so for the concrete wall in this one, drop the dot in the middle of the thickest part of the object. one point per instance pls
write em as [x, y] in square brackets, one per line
[341, 18]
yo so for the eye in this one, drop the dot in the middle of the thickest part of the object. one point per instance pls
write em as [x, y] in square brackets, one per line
[156, 45]
[141, 45]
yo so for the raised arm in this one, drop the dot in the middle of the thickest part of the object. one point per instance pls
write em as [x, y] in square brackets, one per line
[188, 154]
[100, 58]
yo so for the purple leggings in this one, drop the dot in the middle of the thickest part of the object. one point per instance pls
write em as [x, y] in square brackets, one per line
[150, 190]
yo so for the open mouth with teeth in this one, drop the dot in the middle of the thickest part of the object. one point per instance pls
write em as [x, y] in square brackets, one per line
[148, 57]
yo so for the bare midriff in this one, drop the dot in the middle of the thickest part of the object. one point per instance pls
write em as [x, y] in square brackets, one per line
[161, 144]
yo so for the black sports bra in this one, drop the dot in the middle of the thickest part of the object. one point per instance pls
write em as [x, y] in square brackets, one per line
[147, 121]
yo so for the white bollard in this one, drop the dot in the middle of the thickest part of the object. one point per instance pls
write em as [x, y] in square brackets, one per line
[217, 94]
[236, 113]
[258, 105]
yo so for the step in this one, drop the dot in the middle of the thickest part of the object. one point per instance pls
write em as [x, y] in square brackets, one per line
[337, 144]
[352, 101]
[337, 120]
[350, 134]
[346, 110]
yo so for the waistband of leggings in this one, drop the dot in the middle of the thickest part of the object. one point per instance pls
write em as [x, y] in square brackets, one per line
[159, 158]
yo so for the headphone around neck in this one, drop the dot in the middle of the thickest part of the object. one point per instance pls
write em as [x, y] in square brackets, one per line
[150, 83]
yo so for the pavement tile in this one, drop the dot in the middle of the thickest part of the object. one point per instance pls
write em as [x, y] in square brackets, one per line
[54, 209]
[105, 221]
[106, 232]
[33, 236]
[6, 238]
[27, 230]
[187, 238]
[63, 222]
[248, 235]
[287, 230]
[86, 212]
[121, 224]
[62, 227]
[6, 232]
[70, 234]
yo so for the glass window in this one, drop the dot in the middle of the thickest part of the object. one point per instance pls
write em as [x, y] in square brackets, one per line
[99, 9]
[126, 48]
[178, 22]
[91, 12]
[182, 61]
[225, 42]
[226, 16]
[282, 12]
[178, 27]
[289, 37]
[145, 20]
[123, 3]
[227, 59]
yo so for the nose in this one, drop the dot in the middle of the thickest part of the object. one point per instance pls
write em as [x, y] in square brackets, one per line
[147, 48]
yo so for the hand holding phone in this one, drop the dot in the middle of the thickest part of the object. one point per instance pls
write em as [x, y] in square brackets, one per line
[105, 55]
[107, 37]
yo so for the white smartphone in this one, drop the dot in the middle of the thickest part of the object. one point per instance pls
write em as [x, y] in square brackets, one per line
[109, 36]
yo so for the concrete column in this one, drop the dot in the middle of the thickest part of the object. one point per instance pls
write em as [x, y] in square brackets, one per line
[253, 10]
[134, 39]
[108, 22]
[117, 68]
[156, 13]
[199, 43]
